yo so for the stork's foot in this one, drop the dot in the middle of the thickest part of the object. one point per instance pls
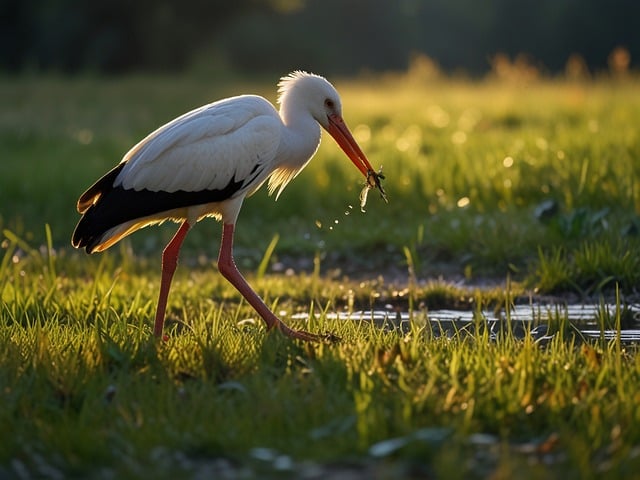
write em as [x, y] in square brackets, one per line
[307, 336]
[329, 337]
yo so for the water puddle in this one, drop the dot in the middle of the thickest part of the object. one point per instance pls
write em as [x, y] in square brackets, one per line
[590, 321]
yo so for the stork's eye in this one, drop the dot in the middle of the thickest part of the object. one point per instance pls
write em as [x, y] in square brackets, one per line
[330, 104]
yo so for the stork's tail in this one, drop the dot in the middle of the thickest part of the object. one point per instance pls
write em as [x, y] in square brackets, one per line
[90, 229]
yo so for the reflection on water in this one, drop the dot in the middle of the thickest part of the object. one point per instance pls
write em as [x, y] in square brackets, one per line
[540, 321]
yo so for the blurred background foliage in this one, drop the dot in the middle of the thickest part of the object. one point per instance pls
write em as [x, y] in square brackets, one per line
[329, 36]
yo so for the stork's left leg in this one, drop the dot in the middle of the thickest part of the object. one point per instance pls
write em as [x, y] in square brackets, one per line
[228, 269]
[169, 264]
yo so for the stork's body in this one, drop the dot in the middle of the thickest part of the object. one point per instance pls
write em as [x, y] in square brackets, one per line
[204, 163]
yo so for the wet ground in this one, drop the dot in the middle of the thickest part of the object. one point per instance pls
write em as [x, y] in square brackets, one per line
[589, 321]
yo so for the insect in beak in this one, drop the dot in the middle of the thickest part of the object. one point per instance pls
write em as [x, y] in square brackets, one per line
[373, 181]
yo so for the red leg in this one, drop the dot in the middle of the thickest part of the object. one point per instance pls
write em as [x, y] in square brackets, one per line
[169, 264]
[228, 269]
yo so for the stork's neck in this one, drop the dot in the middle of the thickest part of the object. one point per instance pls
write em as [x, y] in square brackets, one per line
[300, 137]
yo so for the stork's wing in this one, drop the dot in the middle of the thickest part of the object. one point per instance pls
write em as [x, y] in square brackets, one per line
[234, 140]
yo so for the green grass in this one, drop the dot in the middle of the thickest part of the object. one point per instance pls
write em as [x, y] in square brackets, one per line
[463, 162]
[535, 184]
[87, 391]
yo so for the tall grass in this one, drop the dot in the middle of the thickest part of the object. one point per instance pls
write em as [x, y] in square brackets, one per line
[465, 164]
[88, 391]
[536, 183]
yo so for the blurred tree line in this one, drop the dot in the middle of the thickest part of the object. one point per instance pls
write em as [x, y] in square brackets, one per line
[331, 36]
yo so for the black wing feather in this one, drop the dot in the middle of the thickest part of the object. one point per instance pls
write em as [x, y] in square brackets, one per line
[105, 206]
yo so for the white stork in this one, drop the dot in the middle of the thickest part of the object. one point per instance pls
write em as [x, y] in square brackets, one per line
[204, 163]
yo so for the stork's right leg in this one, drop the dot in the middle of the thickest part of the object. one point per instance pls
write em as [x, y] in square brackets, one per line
[169, 264]
[228, 269]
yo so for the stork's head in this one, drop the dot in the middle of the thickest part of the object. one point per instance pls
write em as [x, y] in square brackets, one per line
[304, 91]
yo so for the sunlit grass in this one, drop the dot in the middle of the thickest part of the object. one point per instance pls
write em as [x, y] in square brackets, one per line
[509, 189]
[592, 267]
[466, 164]
[101, 395]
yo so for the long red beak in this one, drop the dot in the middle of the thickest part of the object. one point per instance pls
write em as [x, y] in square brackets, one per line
[340, 132]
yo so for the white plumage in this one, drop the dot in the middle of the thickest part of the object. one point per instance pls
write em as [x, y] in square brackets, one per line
[205, 162]
[235, 135]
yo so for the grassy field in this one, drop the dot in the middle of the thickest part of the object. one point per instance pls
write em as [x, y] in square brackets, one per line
[499, 193]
